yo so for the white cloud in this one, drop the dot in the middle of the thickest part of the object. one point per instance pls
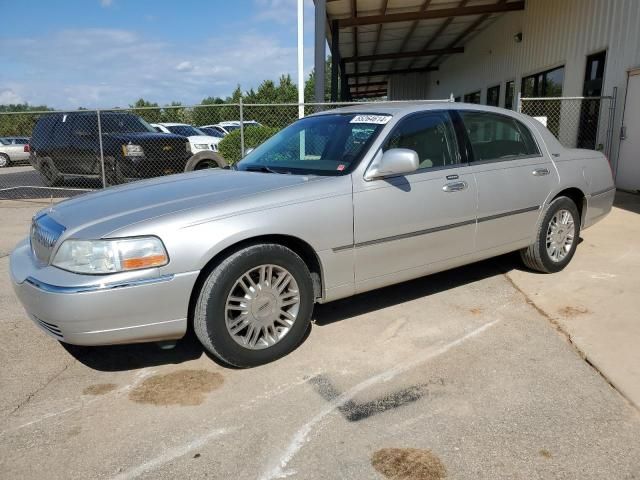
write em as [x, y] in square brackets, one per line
[111, 67]
[106, 3]
[9, 96]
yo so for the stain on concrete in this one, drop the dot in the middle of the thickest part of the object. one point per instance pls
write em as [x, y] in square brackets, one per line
[570, 311]
[545, 453]
[354, 411]
[408, 464]
[99, 389]
[74, 431]
[183, 387]
[476, 310]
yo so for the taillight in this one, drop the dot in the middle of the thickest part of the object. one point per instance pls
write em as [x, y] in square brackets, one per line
[27, 148]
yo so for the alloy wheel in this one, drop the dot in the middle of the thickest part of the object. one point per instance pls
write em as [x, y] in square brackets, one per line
[561, 234]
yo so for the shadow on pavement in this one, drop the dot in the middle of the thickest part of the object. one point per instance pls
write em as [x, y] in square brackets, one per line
[404, 292]
[627, 201]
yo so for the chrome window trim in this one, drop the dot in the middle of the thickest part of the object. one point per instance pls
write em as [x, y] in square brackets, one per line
[47, 287]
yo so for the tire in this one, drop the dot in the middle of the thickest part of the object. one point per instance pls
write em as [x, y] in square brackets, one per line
[213, 322]
[50, 174]
[543, 257]
[5, 161]
[112, 172]
[204, 160]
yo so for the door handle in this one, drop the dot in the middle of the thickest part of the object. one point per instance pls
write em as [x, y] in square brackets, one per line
[454, 186]
[541, 172]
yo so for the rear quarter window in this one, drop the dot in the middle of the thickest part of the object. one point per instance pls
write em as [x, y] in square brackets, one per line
[498, 137]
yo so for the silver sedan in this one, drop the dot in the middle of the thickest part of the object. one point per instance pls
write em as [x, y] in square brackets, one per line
[337, 203]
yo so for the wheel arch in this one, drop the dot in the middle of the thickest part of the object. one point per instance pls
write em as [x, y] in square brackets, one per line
[297, 245]
[578, 197]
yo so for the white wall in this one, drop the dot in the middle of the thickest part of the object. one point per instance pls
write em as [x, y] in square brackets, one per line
[555, 32]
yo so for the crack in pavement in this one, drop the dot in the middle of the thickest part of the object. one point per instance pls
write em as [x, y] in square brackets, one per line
[567, 336]
[39, 389]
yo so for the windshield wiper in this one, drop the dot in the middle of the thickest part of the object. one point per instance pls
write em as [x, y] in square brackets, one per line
[261, 168]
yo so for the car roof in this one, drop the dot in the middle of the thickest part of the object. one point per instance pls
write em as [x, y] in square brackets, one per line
[403, 108]
[172, 124]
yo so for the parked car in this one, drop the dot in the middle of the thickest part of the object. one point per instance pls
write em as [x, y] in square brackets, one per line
[197, 138]
[212, 132]
[230, 126]
[13, 149]
[314, 214]
[67, 145]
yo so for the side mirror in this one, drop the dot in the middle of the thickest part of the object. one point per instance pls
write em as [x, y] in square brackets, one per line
[396, 161]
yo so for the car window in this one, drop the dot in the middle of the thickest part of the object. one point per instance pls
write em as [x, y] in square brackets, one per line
[430, 135]
[497, 137]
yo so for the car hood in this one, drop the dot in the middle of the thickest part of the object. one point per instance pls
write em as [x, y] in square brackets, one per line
[141, 136]
[99, 214]
[203, 139]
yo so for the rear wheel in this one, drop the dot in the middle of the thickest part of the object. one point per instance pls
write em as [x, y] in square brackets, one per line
[50, 174]
[255, 306]
[557, 237]
[112, 172]
[4, 160]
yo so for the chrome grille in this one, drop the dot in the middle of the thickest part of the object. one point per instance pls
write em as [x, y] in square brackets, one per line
[45, 232]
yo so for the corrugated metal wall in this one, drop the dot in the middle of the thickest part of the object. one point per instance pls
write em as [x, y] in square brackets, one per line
[555, 32]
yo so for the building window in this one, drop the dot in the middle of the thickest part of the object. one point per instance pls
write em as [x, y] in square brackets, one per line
[544, 84]
[473, 97]
[493, 96]
[509, 94]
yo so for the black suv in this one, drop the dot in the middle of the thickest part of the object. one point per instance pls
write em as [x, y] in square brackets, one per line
[68, 145]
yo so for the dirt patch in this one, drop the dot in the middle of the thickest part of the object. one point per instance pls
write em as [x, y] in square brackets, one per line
[570, 311]
[99, 389]
[408, 464]
[545, 453]
[476, 310]
[184, 387]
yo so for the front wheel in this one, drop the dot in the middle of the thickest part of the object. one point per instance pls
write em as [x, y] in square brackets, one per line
[557, 237]
[204, 160]
[255, 306]
[4, 160]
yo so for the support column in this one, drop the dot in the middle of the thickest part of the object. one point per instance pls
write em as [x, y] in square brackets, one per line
[320, 51]
[335, 59]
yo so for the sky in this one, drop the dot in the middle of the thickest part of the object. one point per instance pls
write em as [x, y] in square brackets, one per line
[108, 53]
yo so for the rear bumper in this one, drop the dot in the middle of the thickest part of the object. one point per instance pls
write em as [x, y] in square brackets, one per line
[136, 310]
[598, 206]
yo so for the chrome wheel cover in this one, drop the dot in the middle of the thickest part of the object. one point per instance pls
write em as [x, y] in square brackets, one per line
[561, 234]
[262, 306]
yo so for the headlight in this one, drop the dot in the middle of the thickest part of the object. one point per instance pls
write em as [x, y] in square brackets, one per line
[111, 256]
[132, 150]
[201, 146]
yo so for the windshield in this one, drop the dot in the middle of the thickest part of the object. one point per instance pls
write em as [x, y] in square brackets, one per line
[322, 145]
[231, 128]
[120, 123]
[184, 130]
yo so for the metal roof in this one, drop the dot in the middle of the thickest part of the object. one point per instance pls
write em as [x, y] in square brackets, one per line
[379, 38]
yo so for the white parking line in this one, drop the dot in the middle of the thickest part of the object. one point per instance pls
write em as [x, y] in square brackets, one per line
[277, 470]
[172, 454]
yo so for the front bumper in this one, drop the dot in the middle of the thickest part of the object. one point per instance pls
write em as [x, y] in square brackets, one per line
[140, 306]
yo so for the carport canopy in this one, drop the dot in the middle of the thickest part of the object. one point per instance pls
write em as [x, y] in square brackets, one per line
[370, 40]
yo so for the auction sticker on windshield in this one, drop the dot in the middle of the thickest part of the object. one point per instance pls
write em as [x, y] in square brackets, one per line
[376, 119]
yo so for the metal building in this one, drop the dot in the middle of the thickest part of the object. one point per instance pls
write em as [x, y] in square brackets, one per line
[493, 52]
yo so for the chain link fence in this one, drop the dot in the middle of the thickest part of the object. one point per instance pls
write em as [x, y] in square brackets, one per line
[55, 154]
[577, 122]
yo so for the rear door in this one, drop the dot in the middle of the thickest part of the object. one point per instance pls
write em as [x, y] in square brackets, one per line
[408, 224]
[83, 144]
[514, 178]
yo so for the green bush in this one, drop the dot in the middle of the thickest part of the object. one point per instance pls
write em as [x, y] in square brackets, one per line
[229, 147]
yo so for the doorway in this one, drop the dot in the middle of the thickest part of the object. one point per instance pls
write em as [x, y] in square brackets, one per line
[590, 110]
[628, 171]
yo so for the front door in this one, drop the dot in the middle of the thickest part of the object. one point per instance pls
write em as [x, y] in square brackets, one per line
[513, 175]
[628, 172]
[405, 226]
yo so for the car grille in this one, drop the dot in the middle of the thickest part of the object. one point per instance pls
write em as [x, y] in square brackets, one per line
[45, 232]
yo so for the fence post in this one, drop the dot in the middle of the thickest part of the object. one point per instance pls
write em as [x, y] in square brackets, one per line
[241, 129]
[104, 177]
[519, 102]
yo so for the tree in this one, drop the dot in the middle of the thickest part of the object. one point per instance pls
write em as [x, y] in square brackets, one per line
[310, 84]
[22, 122]
[146, 110]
